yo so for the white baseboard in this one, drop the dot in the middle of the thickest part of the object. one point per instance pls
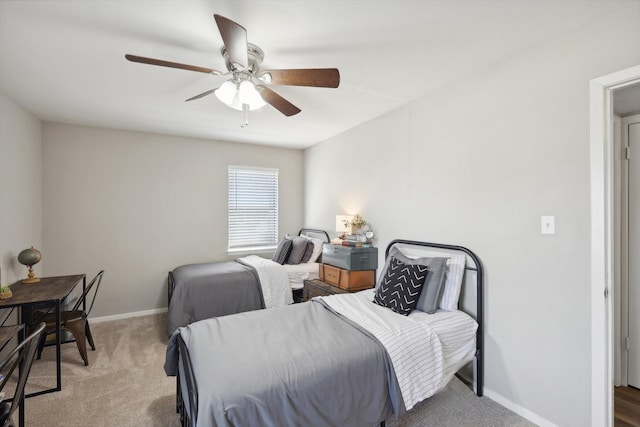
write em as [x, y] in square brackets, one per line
[523, 412]
[128, 315]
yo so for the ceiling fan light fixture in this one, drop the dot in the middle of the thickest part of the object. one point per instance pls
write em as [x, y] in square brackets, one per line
[226, 92]
[266, 77]
[248, 94]
[234, 95]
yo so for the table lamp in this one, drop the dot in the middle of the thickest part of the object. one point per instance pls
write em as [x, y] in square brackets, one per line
[30, 257]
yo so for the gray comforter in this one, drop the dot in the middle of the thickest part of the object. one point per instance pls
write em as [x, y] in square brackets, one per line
[202, 291]
[300, 365]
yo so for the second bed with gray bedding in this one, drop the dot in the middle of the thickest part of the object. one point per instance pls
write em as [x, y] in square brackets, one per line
[211, 289]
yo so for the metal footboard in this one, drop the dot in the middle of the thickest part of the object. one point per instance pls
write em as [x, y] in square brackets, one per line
[188, 414]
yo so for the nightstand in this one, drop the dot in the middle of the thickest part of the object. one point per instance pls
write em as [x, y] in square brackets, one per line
[318, 288]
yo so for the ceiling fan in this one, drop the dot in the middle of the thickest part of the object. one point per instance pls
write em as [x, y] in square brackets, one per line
[246, 89]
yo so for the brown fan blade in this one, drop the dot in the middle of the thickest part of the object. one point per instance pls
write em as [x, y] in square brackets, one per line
[234, 37]
[278, 102]
[152, 61]
[202, 95]
[318, 77]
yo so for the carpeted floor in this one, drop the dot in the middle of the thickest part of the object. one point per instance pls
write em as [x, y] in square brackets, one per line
[125, 385]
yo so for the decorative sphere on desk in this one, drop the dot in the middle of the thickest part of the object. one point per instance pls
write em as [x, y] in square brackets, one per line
[30, 257]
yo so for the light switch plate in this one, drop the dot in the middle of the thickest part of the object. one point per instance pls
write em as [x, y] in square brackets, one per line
[548, 224]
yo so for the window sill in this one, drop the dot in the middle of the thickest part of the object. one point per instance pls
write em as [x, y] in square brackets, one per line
[252, 251]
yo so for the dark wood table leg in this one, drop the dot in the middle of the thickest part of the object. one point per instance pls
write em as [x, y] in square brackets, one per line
[21, 337]
[58, 344]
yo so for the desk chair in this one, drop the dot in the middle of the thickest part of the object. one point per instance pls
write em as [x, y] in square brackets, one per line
[74, 320]
[23, 353]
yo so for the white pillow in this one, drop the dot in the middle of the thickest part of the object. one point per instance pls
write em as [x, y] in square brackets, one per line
[317, 248]
[453, 283]
[454, 271]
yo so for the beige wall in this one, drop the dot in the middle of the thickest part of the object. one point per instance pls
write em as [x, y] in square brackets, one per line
[477, 164]
[139, 205]
[20, 187]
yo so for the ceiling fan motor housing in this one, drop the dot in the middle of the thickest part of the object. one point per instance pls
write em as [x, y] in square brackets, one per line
[255, 56]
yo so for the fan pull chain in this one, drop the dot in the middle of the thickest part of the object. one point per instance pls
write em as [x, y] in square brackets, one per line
[245, 116]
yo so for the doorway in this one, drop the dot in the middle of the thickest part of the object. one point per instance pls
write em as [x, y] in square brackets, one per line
[604, 255]
[627, 304]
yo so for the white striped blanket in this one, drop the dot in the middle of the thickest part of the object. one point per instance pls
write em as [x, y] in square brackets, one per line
[274, 281]
[421, 359]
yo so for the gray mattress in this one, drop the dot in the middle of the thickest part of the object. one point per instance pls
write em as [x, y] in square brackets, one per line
[300, 365]
[202, 291]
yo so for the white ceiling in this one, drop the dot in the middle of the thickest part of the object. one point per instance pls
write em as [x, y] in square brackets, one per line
[64, 60]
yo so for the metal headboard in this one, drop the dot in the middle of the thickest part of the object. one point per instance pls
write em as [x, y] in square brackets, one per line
[479, 315]
[314, 230]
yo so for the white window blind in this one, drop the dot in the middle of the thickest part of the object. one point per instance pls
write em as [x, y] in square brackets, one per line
[253, 208]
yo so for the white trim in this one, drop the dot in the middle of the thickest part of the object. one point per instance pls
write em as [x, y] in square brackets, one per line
[128, 315]
[620, 238]
[523, 412]
[602, 253]
[252, 250]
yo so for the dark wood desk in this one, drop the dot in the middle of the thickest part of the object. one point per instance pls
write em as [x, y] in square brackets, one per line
[51, 291]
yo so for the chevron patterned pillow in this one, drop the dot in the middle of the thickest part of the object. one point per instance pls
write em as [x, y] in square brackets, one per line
[400, 287]
[282, 251]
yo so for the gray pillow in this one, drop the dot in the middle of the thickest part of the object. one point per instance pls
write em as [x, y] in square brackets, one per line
[282, 251]
[308, 251]
[297, 250]
[433, 284]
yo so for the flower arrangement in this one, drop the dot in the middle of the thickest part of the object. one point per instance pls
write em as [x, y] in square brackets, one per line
[356, 223]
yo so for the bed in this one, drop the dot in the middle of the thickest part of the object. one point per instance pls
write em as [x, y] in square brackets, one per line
[205, 290]
[336, 360]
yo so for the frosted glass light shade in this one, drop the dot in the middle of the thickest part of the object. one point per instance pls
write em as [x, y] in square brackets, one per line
[249, 95]
[235, 96]
[226, 92]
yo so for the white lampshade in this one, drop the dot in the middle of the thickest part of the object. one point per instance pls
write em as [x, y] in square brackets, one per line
[235, 96]
[226, 92]
[340, 227]
[249, 95]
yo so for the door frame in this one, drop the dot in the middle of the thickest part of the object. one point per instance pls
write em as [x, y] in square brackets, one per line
[624, 309]
[601, 148]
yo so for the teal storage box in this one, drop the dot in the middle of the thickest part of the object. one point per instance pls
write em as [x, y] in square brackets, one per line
[349, 258]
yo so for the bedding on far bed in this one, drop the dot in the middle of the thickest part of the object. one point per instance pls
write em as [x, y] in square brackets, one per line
[216, 289]
[274, 281]
[298, 273]
[212, 289]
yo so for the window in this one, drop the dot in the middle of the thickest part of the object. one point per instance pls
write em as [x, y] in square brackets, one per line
[253, 208]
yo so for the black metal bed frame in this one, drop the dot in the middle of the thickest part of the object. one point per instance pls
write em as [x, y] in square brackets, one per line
[479, 316]
[186, 420]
